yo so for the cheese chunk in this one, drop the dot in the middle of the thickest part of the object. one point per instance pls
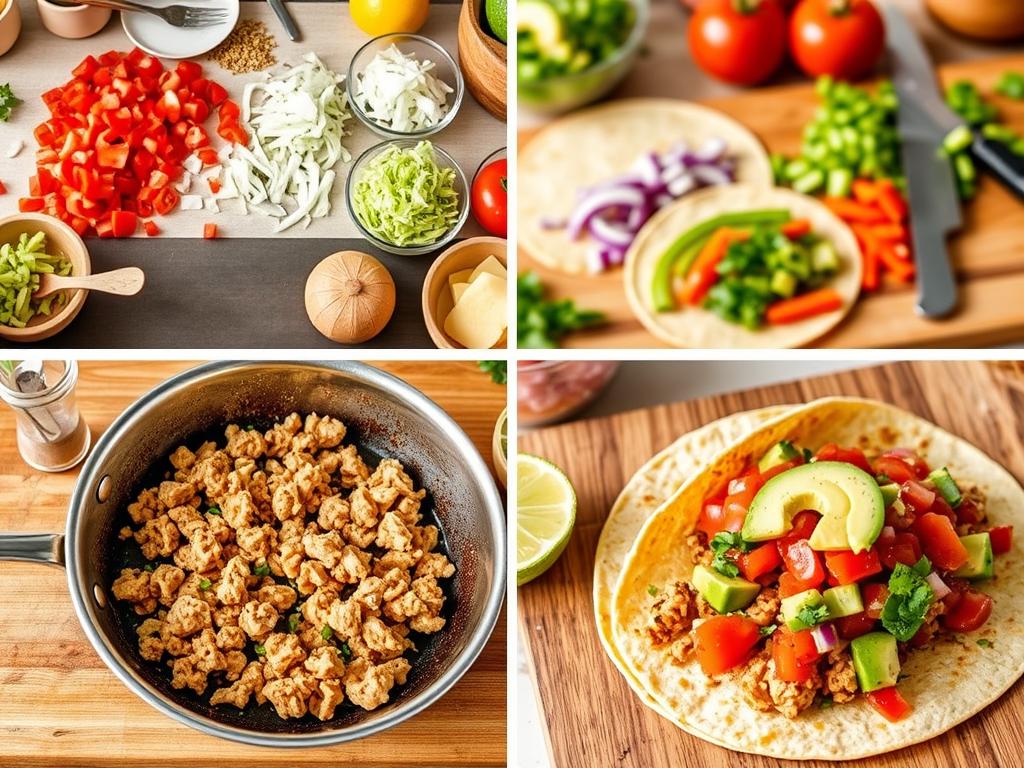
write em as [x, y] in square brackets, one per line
[479, 319]
[489, 265]
[457, 290]
[461, 276]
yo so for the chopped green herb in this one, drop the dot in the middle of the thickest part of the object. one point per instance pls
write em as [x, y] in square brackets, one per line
[8, 101]
[149, 567]
[249, 427]
[205, 584]
[542, 323]
[346, 652]
[826, 702]
[262, 570]
[1011, 85]
[985, 643]
[498, 370]
[910, 596]
[260, 650]
[721, 544]
[293, 622]
[214, 511]
[652, 590]
[326, 632]
[813, 614]
[769, 630]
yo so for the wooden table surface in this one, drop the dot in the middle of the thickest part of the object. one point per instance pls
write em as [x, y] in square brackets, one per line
[985, 255]
[592, 716]
[59, 704]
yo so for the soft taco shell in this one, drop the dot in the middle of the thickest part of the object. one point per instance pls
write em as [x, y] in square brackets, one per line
[600, 143]
[645, 492]
[846, 731]
[695, 327]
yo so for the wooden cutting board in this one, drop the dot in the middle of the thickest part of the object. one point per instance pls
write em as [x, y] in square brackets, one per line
[61, 706]
[592, 716]
[986, 254]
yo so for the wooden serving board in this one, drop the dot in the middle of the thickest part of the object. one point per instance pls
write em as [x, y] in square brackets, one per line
[986, 254]
[61, 706]
[592, 716]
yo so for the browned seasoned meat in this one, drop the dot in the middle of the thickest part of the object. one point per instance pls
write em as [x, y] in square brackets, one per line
[674, 613]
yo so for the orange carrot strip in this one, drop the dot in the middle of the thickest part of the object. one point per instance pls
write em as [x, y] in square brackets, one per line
[902, 251]
[702, 274]
[865, 191]
[901, 270]
[851, 210]
[891, 232]
[871, 278]
[796, 228]
[801, 307]
[891, 202]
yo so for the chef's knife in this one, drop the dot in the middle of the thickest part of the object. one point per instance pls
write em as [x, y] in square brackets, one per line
[286, 19]
[924, 121]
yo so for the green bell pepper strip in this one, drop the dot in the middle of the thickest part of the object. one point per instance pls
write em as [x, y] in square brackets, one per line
[661, 285]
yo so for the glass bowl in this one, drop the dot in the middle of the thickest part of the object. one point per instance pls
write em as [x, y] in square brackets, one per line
[444, 160]
[562, 93]
[552, 390]
[445, 69]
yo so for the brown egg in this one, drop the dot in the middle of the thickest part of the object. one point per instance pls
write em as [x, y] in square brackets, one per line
[350, 297]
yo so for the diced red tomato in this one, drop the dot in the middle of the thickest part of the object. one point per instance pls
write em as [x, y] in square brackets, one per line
[759, 561]
[208, 156]
[123, 223]
[899, 547]
[152, 230]
[856, 625]
[939, 541]
[941, 507]
[802, 562]
[789, 585]
[209, 231]
[723, 642]
[778, 469]
[728, 514]
[849, 568]
[832, 452]
[918, 465]
[889, 703]
[969, 611]
[874, 595]
[214, 185]
[916, 496]
[967, 512]
[794, 654]
[895, 468]
[1002, 538]
[804, 524]
[3, 189]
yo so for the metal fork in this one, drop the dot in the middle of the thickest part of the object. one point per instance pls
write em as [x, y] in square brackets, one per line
[175, 15]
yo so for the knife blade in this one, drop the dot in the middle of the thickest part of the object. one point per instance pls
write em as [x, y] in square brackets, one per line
[924, 121]
[286, 20]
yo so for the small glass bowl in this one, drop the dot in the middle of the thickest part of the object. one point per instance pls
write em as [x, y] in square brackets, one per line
[444, 160]
[423, 48]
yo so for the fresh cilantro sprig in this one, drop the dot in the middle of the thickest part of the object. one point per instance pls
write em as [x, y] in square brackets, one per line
[910, 597]
[498, 370]
[768, 631]
[8, 101]
[720, 545]
[542, 323]
[812, 615]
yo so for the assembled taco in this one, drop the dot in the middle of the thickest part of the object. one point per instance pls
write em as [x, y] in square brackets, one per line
[837, 583]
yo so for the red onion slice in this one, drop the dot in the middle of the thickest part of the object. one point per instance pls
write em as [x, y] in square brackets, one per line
[825, 637]
[938, 585]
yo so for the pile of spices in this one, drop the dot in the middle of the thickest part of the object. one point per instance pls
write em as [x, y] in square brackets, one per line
[249, 48]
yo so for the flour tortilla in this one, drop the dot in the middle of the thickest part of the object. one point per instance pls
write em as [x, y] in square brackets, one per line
[600, 143]
[645, 492]
[696, 327]
[977, 675]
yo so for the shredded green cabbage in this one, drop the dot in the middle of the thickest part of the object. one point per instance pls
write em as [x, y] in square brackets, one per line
[403, 197]
[21, 264]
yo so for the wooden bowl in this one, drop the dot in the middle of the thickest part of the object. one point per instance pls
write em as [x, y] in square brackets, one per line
[60, 238]
[995, 20]
[484, 61]
[499, 459]
[437, 299]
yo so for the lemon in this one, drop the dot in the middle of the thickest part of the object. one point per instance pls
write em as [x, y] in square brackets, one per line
[382, 17]
[497, 19]
[546, 514]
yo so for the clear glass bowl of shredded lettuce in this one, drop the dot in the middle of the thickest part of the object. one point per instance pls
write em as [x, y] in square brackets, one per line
[407, 197]
[404, 86]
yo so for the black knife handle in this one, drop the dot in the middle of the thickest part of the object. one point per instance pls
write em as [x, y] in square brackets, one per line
[1001, 161]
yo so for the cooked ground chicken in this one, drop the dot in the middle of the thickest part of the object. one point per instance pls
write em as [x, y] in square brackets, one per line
[674, 613]
[765, 608]
[289, 571]
[840, 679]
[766, 692]
[700, 552]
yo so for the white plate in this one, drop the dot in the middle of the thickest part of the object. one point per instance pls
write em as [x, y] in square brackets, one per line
[158, 38]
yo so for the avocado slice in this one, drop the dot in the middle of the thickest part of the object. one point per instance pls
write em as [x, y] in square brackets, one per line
[843, 601]
[792, 605]
[946, 486]
[724, 593]
[779, 453]
[848, 498]
[543, 22]
[875, 660]
[980, 563]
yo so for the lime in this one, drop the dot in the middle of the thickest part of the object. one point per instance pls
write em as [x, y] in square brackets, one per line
[546, 514]
[497, 18]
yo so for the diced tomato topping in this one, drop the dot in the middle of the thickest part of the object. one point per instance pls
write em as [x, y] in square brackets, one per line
[1002, 538]
[916, 496]
[802, 562]
[939, 541]
[123, 223]
[789, 585]
[723, 642]
[895, 468]
[3, 189]
[856, 625]
[969, 611]
[778, 469]
[804, 524]
[30, 204]
[967, 512]
[759, 561]
[152, 230]
[874, 596]
[209, 231]
[832, 452]
[794, 654]
[898, 547]
[214, 185]
[890, 703]
[849, 568]
[729, 513]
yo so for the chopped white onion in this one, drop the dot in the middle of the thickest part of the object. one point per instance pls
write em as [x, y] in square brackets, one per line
[400, 92]
[938, 585]
[825, 637]
[191, 203]
[192, 164]
[15, 147]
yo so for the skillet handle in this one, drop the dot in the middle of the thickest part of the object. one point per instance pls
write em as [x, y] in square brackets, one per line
[44, 548]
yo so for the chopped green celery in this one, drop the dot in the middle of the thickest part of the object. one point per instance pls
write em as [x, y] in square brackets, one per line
[1011, 85]
[840, 181]
[824, 257]
[957, 140]
[964, 167]
[784, 283]
[809, 182]
[998, 132]
[21, 263]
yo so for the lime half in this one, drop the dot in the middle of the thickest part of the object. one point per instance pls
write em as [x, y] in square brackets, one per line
[546, 513]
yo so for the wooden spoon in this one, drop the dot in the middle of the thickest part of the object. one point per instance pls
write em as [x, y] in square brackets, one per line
[124, 282]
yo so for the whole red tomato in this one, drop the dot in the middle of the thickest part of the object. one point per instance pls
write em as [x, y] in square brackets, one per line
[842, 38]
[739, 41]
[490, 197]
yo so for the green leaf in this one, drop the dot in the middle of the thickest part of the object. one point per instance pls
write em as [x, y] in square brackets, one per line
[262, 570]
[812, 615]
[8, 101]
[542, 323]
[652, 590]
[213, 511]
[985, 643]
[769, 630]
[260, 649]
[293, 622]
[205, 584]
[909, 599]
[498, 369]
[326, 632]
[346, 652]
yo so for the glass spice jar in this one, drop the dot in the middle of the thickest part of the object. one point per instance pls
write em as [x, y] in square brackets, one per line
[52, 435]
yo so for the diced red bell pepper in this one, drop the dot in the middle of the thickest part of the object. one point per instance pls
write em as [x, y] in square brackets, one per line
[216, 94]
[228, 110]
[795, 655]
[804, 524]
[889, 703]
[898, 547]
[1002, 538]
[833, 452]
[940, 542]
[758, 561]
[232, 131]
[188, 71]
[849, 568]
[30, 204]
[3, 189]
[114, 156]
[209, 231]
[723, 642]
[87, 68]
[856, 625]
[123, 223]
[165, 201]
[802, 562]
[152, 230]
